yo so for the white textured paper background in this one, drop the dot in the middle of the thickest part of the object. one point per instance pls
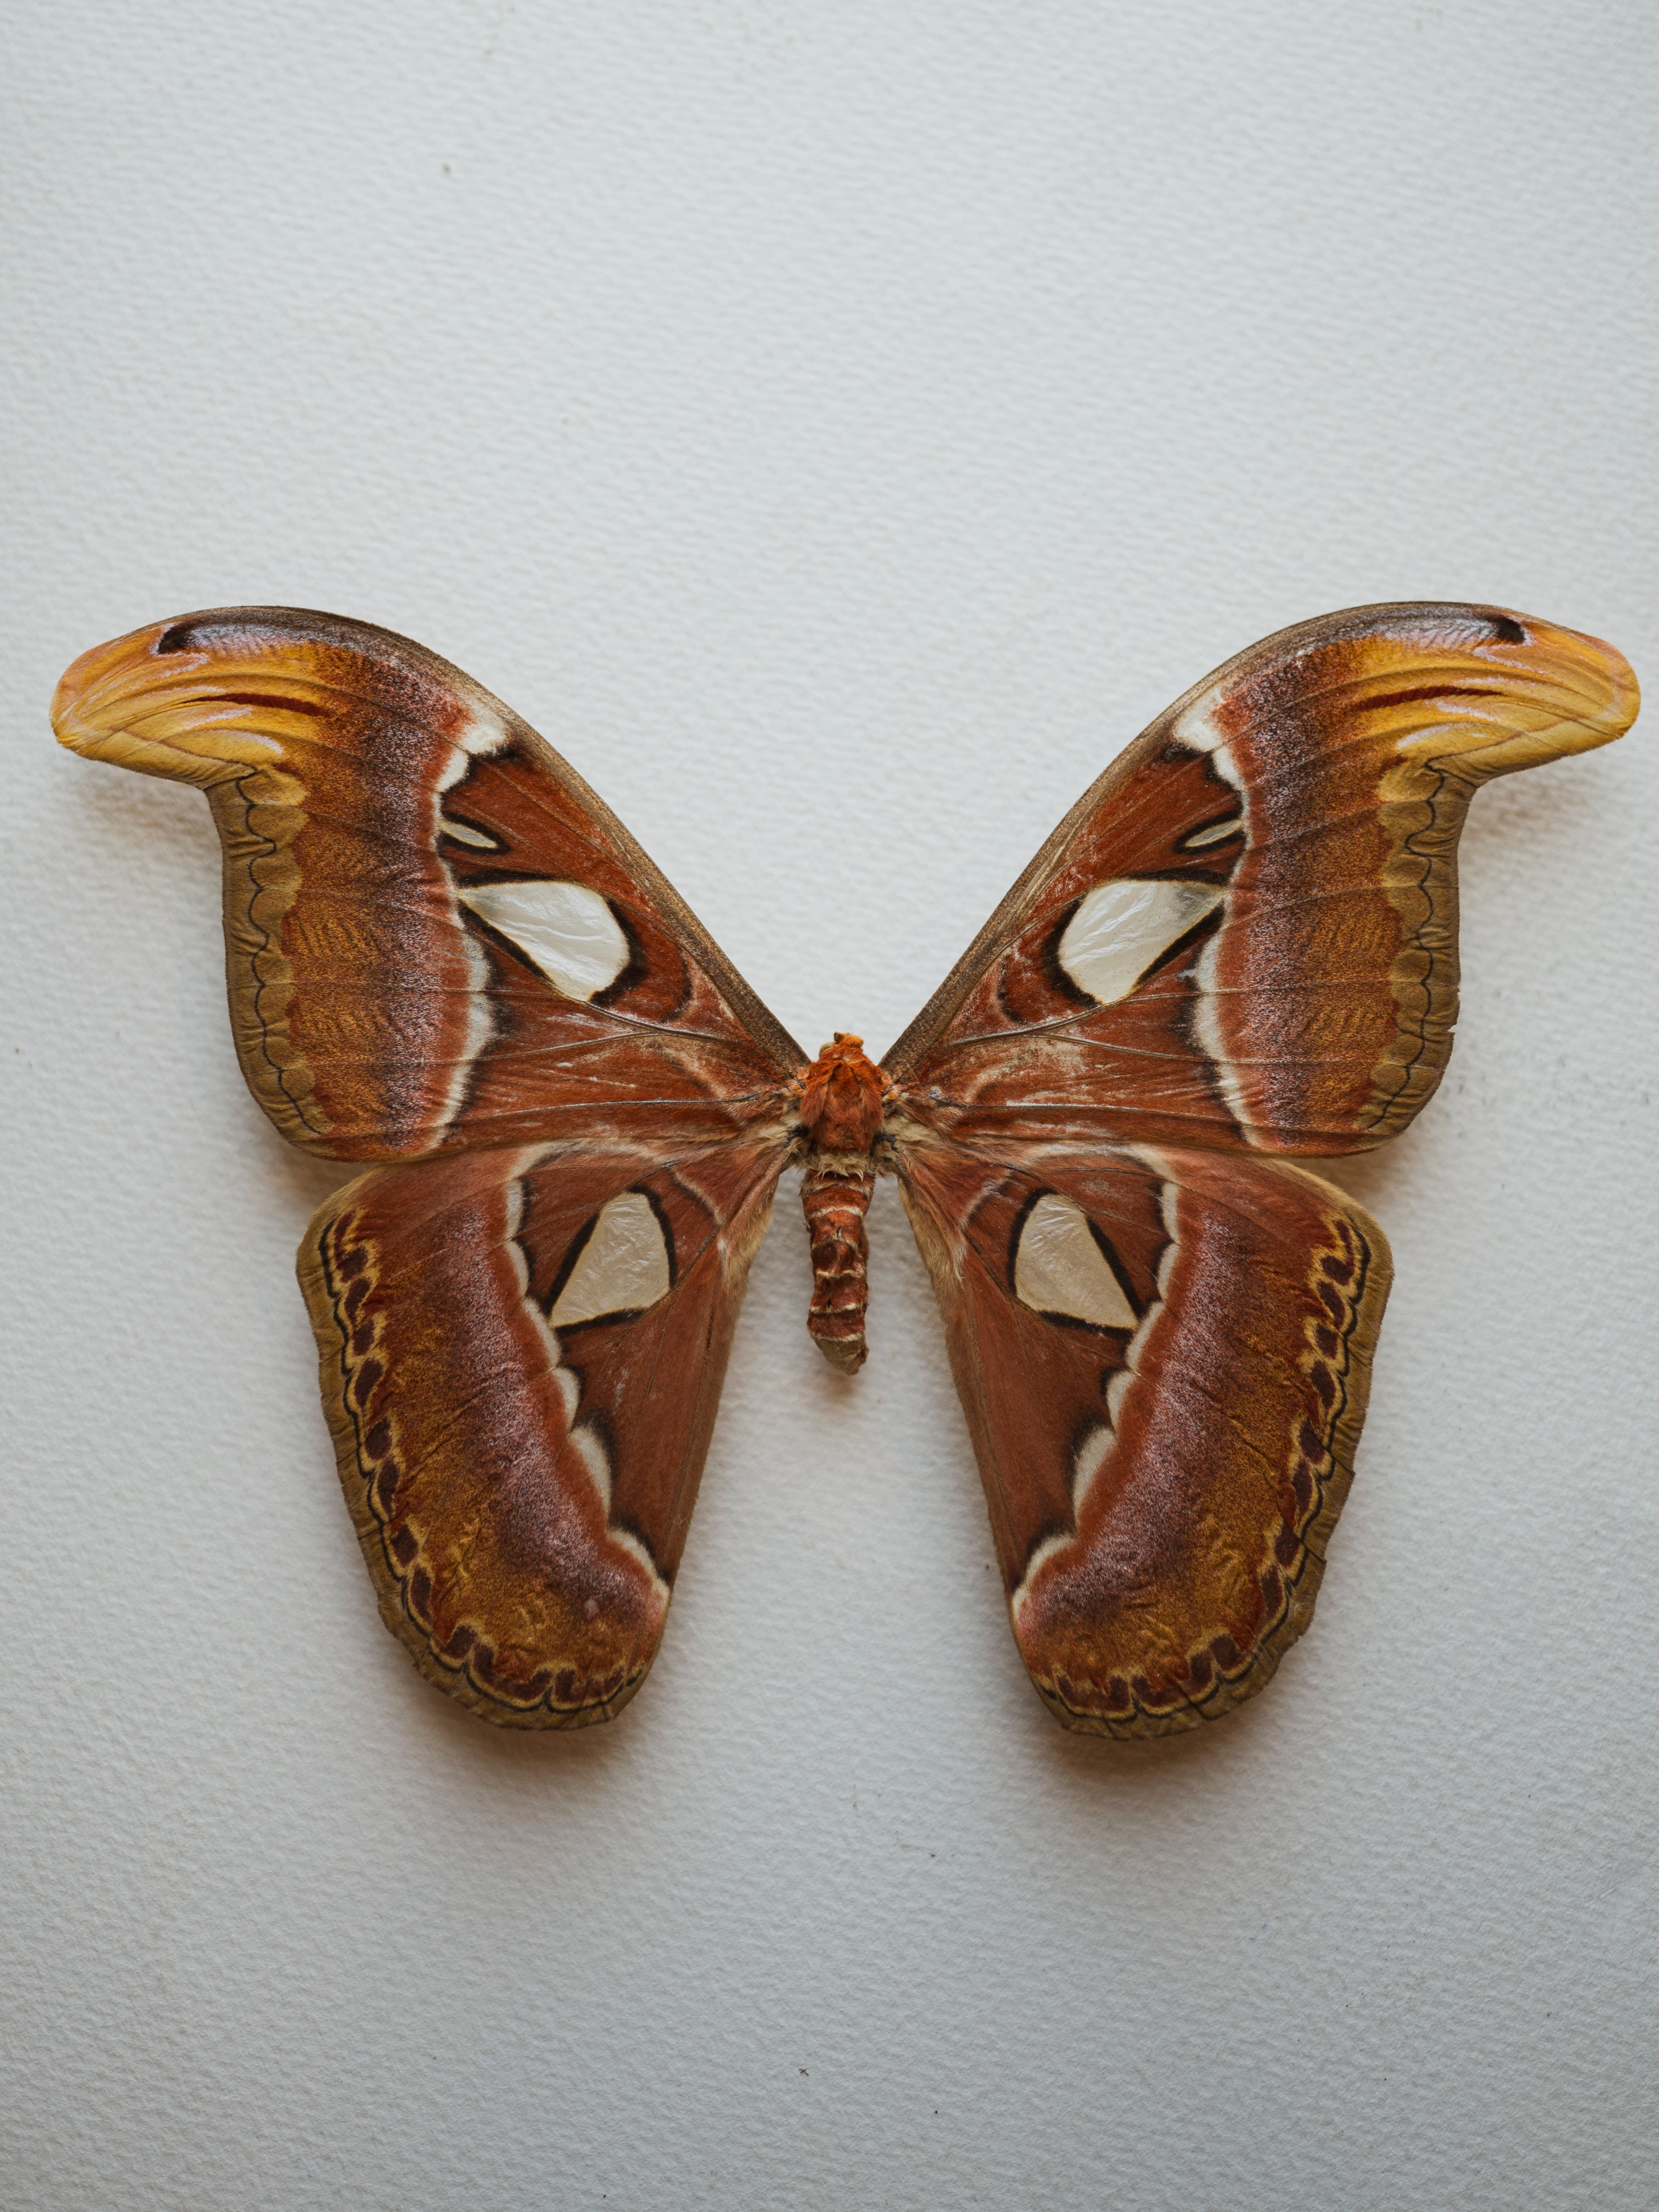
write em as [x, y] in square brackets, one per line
[839, 428]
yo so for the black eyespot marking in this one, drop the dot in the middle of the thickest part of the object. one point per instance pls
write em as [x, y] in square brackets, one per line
[1507, 631]
[178, 639]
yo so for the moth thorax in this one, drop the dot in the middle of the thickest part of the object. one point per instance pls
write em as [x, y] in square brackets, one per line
[841, 1097]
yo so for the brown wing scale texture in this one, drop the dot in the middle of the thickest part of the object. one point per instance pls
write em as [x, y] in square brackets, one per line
[521, 1354]
[1245, 934]
[1163, 1357]
[436, 935]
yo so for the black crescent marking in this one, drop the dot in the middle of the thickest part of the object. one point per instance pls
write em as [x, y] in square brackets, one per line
[578, 1245]
[636, 967]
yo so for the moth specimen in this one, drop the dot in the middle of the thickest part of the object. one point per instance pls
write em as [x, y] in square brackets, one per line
[447, 958]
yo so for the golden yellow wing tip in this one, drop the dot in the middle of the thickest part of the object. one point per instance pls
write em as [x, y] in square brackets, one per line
[166, 711]
[1528, 692]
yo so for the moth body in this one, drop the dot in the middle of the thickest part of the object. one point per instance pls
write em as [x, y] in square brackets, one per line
[841, 1101]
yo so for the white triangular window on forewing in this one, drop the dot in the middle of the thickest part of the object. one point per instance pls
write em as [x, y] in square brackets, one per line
[568, 930]
[1122, 929]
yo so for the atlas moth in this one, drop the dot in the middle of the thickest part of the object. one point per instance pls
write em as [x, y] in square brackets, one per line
[450, 962]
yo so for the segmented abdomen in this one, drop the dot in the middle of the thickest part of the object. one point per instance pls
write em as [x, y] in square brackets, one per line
[835, 1199]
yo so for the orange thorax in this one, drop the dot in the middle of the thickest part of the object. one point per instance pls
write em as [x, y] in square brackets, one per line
[841, 1097]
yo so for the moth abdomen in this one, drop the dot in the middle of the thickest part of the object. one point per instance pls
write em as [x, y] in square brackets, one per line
[835, 1196]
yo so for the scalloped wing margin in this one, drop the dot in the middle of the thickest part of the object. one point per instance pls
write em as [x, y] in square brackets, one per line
[1165, 1359]
[521, 1352]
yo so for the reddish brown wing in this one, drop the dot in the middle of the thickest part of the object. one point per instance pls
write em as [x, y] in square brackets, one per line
[437, 935]
[1245, 934]
[1164, 1358]
[521, 1353]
